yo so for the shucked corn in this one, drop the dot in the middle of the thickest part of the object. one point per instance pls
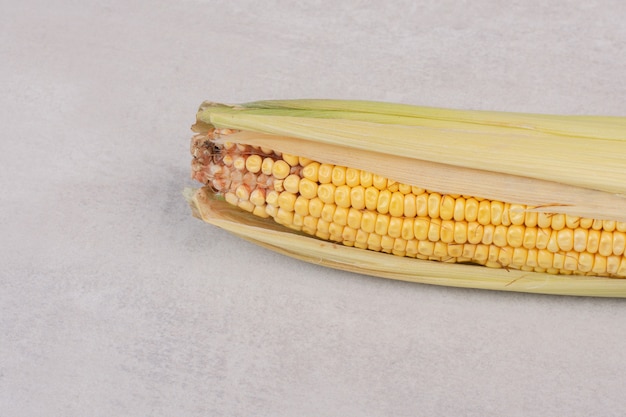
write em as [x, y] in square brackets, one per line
[365, 210]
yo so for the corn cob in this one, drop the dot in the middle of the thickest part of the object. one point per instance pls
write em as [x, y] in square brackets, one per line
[550, 230]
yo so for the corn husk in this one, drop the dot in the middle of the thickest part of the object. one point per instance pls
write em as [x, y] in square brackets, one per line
[558, 164]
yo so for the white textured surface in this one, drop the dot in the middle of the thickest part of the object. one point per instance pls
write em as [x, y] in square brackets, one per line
[114, 301]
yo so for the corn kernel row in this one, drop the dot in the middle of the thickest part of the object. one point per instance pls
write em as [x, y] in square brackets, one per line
[365, 210]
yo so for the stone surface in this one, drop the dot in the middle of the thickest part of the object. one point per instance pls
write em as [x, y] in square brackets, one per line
[115, 301]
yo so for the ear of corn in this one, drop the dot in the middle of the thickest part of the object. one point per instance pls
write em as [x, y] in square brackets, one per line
[551, 187]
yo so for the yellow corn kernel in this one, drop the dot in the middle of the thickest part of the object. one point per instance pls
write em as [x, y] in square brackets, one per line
[253, 163]
[348, 234]
[326, 192]
[500, 235]
[387, 243]
[425, 247]
[475, 232]
[366, 178]
[565, 239]
[515, 236]
[434, 205]
[421, 203]
[612, 264]
[404, 188]
[497, 208]
[471, 209]
[342, 196]
[544, 220]
[354, 218]
[292, 160]
[271, 198]
[257, 196]
[558, 221]
[373, 241]
[488, 233]
[446, 209]
[505, 256]
[298, 221]
[460, 232]
[267, 165]
[395, 227]
[284, 217]
[399, 247]
[506, 220]
[484, 212]
[335, 231]
[459, 209]
[605, 247]
[572, 222]
[357, 197]
[379, 182]
[292, 183]
[411, 248]
[307, 188]
[580, 239]
[368, 221]
[311, 172]
[315, 207]
[384, 199]
[340, 216]
[239, 163]
[361, 238]
[371, 198]
[553, 245]
[287, 200]
[599, 264]
[519, 257]
[396, 204]
[352, 177]
[407, 229]
[309, 224]
[421, 227]
[434, 230]
[597, 224]
[246, 205]
[338, 175]
[593, 241]
[304, 161]
[571, 261]
[382, 224]
[517, 214]
[469, 251]
[328, 212]
[481, 253]
[543, 236]
[260, 211]
[325, 173]
[441, 250]
[301, 206]
[409, 206]
[619, 243]
[322, 228]
[530, 237]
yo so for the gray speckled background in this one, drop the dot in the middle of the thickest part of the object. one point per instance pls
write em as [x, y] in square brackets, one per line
[114, 301]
